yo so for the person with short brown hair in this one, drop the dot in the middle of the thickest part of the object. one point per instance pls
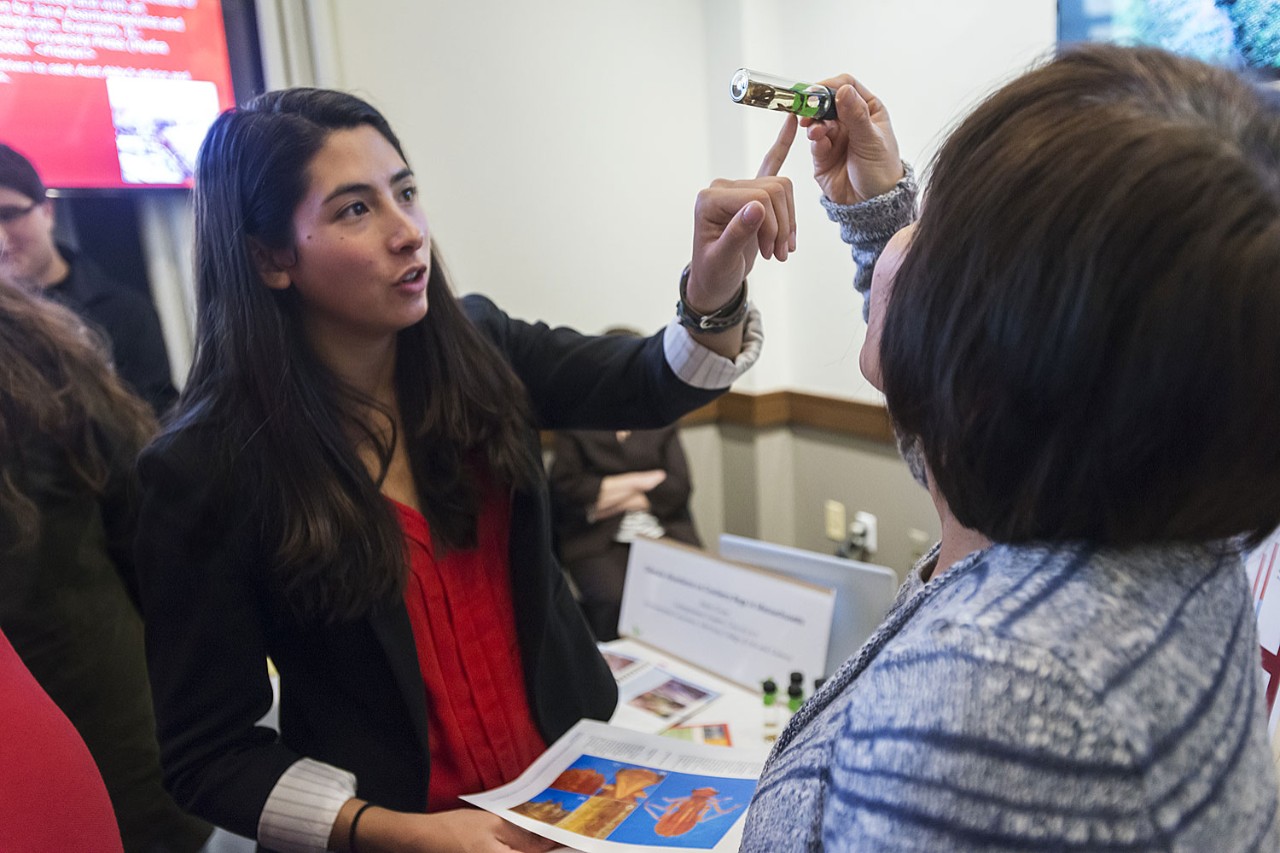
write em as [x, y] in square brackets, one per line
[1077, 343]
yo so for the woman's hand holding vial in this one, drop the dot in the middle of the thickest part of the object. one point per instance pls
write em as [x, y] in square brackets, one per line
[855, 157]
[855, 154]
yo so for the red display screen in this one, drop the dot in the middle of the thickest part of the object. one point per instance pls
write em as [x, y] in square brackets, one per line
[110, 94]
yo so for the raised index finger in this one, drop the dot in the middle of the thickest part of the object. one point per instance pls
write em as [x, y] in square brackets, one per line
[777, 153]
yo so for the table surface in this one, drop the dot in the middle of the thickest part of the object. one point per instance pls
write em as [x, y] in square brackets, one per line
[742, 710]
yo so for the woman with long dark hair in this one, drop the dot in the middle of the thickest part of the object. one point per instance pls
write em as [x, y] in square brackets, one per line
[352, 486]
[69, 435]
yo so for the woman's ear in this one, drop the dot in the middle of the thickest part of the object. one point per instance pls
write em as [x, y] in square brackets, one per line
[271, 265]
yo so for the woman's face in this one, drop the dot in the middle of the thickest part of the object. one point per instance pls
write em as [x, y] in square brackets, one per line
[881, 289]
[361, 255]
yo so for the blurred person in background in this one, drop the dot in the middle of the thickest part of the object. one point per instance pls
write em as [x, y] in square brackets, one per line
[608, 488]
[70, 433]
[32, 258]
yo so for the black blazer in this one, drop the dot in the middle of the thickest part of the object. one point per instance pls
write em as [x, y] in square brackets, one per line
[352, 694]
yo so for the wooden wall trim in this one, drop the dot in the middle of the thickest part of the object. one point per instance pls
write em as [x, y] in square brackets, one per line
[796, 408]
[790, 409]
[760, 411]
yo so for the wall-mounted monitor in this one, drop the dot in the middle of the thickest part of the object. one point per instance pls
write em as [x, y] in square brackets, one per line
[1242, 34]
[112, 94]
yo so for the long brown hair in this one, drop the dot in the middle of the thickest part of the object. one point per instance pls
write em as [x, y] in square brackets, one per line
[56, 381]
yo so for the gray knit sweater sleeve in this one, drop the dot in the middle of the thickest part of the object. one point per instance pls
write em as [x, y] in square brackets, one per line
[867, 226]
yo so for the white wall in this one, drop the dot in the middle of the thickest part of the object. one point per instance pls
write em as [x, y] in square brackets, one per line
[929, 60]
[557, 150]
[560, 144]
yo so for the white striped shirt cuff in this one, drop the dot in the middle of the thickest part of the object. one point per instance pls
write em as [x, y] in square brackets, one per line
[303, 806]
[700, 367]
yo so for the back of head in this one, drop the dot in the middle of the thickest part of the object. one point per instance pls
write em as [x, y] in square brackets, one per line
[17, 173]
[57, 387]
[1084, 333]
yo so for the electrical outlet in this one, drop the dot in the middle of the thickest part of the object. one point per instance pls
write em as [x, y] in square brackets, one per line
[867, 522]
[833, 518]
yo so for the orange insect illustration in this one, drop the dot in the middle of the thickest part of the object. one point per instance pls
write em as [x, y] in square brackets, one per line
[684, 813]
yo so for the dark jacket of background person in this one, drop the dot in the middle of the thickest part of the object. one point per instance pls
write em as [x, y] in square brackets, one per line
[598, 564]
[585, 457]
[129, 321]
[67, 586]
[351, 691]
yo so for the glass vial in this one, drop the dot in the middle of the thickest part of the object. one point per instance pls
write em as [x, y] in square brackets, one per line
[795, 692]
[755, 89]
[771, 724]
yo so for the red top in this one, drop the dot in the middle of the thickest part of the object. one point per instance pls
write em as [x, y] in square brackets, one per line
[480, 730]
[53, 797]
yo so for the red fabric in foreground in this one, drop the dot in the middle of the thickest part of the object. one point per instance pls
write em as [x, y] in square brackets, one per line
[480, 730]
[53, 797]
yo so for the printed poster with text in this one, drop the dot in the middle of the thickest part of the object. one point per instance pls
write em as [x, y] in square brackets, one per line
[606, 789]
[742, 623]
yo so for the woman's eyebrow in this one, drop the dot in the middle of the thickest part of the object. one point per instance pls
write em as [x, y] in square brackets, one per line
[345, 189]
[359, 187]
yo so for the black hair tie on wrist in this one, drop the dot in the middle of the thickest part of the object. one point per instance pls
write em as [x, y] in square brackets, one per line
[351, 832]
